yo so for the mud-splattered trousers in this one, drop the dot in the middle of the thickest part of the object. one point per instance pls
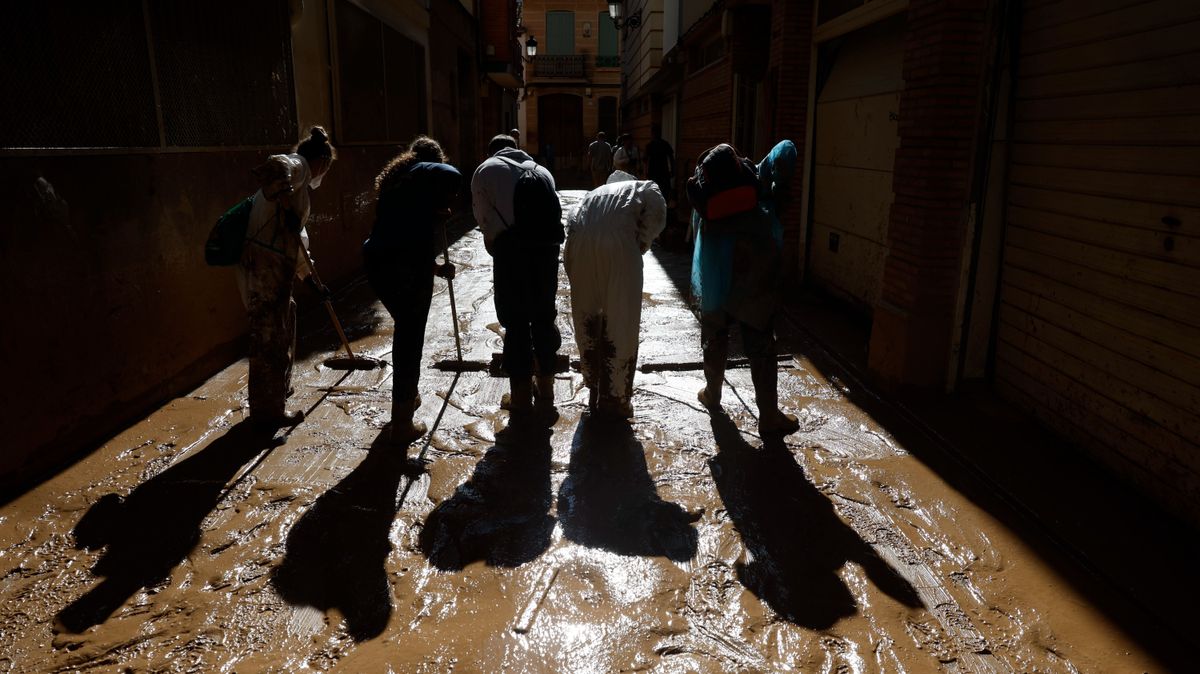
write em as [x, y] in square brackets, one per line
[270, 259]
[525, 277]
[272, 312]
[607, 235]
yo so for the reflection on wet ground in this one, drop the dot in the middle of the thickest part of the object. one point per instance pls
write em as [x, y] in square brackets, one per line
[675, 543]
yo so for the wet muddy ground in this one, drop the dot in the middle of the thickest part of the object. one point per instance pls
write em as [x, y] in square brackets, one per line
[679, 543]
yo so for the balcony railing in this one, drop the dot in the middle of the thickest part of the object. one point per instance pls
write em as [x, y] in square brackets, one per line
[569, 66]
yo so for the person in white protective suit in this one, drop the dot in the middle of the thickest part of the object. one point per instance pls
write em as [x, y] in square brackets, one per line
[607, 234]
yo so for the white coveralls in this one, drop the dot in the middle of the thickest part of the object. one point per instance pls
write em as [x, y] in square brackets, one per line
[270, 259]
[606, 236]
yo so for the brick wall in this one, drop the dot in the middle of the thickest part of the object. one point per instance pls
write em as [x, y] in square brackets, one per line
[791, 47]
[939, 109]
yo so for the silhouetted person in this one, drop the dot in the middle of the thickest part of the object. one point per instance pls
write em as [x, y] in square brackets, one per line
[660, 163]
[270, 259]
[600, 159]
[416, 189]
[607, 234]
[517, 207]
[147, 533]
[627, 158]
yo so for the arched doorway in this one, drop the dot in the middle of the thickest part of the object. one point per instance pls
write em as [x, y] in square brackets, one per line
[560, 130]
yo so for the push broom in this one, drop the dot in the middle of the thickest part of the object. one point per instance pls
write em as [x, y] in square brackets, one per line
[349, 361]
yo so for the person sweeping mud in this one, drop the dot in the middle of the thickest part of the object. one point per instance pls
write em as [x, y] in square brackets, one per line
[736, 275]
[270, 259]
[607, 234]
[517, 207]
[416, 189]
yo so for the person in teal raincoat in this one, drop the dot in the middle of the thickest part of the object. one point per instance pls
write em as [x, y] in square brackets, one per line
[737, 268]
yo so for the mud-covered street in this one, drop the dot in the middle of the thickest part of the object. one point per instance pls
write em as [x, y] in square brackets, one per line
[680, 543]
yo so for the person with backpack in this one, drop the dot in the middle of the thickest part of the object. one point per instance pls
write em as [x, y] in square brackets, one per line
[607, 234]
[516, 205]
[416, 189]
[600, 159]
[737, 278]
[270, 258]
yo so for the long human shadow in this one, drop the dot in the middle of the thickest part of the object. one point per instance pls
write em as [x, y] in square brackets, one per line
[336, 555]
[501, 516]
[148, 532]
[608, 500]
[796, 541]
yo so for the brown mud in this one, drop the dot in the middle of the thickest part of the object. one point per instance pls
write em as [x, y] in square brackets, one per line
[680, 542]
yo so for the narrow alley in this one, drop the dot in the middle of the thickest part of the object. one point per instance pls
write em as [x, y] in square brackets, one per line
[682, 543]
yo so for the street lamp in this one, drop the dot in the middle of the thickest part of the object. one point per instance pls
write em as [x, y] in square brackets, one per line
[531, 46]
[616, 8]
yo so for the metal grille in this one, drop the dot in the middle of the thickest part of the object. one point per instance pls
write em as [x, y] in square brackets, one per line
[360, 75]
[76, 75]
[224, 72]
[381, 79]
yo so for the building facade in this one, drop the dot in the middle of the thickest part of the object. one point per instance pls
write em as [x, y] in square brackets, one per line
[138, 129]
[1007, 192]
[572, 85]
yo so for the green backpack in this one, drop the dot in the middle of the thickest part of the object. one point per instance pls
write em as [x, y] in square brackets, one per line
[228, 236]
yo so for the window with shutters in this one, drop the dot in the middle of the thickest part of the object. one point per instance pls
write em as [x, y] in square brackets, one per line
[560, 33]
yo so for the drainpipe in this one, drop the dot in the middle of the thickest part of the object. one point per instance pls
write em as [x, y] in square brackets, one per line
[1008, 20]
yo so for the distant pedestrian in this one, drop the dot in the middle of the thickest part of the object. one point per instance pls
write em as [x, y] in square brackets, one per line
[607, 234]
[270, 259]
[737, 275]
[627, 158]
[517, 207]
[600, 159]
[416, 189]
[516, 136]
[660, 163]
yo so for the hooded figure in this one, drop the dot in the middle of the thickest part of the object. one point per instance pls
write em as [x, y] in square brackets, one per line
[607, 234]
[737, 270]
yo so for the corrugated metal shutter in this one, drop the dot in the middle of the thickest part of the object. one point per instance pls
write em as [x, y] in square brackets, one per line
[856, 140]
[1099, 330]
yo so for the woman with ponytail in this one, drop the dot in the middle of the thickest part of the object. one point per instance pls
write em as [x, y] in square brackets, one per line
[270, 260]
[416, 189]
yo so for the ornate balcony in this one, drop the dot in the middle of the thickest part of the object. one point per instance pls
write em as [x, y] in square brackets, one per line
[566, 67]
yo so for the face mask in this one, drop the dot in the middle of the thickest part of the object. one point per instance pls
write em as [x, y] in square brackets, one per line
[315, 182]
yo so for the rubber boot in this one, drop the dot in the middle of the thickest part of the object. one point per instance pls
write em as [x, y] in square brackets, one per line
[771, 420]
[544, 393]
[519, 399]
[714, 378]
[404, 429]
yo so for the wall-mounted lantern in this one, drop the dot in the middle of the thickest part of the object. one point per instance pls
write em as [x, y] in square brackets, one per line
[531, 47]
[616, 10]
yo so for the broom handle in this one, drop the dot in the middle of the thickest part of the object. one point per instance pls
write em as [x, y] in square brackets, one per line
[450, 287]
[337, 325]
